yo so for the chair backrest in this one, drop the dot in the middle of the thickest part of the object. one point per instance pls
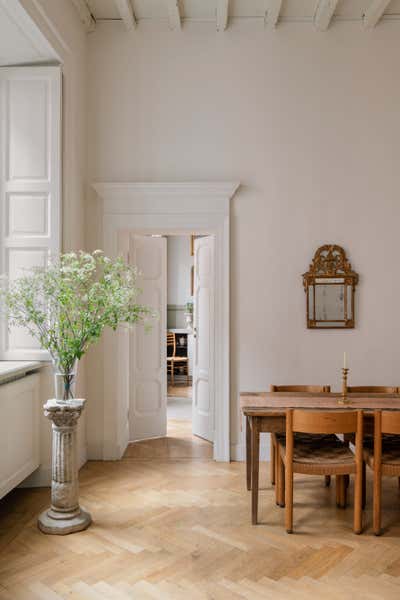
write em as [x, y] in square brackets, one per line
[312, 389]
[323, 421]
[388, 421]
[171, 343]
[372, 389]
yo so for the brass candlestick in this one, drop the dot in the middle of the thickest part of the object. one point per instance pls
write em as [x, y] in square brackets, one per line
[344, 398]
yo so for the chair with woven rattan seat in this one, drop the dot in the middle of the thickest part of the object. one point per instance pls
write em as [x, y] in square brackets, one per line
[368, 438]
[383, 457]
[173, 359]
[327, 456]
[311, 389]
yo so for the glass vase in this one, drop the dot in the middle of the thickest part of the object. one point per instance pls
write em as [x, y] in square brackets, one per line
[64, 381]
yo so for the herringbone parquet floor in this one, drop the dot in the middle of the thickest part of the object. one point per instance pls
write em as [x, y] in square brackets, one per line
[168, 527]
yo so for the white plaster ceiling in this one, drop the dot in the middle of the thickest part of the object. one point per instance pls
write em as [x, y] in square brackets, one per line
[205, 10]
[21, 42]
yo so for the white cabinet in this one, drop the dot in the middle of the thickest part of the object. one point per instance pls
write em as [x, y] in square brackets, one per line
[19, 431]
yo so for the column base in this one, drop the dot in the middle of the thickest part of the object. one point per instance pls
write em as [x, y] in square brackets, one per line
[63, 523]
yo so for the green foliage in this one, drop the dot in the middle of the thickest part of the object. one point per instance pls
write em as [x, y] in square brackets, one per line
[68, 304]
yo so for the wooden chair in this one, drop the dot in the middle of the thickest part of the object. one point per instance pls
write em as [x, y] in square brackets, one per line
[368, 437]
[174, 360]
[316, 389]
[322, 457]
[384, 457]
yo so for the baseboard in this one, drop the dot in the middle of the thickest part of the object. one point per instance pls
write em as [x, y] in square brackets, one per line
[238, 451]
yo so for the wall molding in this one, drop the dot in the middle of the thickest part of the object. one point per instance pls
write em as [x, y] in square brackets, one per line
[169, 208]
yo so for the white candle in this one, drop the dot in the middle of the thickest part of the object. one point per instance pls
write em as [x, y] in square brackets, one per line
[344, 360]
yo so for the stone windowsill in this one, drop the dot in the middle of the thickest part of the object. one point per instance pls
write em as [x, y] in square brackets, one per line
[10, 370]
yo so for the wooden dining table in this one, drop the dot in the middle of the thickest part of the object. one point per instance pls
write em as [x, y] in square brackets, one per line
[265, 412]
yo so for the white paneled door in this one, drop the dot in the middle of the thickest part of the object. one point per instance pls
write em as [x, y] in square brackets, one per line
[204, 309]
[30, 182]
[148, 382]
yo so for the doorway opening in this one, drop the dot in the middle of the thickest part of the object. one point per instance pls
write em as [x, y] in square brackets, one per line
[180, 333]
[166, 209]
[172, 396]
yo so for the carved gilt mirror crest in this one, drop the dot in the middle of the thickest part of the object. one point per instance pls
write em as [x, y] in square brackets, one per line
[329, 285]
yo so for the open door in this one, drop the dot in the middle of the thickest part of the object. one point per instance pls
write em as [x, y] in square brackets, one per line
[148, 356]
[203, 367]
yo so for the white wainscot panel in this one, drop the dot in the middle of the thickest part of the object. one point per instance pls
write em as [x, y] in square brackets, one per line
[19, 431]
[28, 214]
[28, 130]
[147, 398]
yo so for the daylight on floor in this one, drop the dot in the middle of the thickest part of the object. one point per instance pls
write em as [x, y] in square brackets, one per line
[199, 380]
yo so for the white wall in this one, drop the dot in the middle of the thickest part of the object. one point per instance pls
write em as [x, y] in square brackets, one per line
[309, 123]
[179, 264]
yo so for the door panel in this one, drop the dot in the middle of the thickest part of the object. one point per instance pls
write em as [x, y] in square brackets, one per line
[148, 393]
[30, 183]
[203, 369]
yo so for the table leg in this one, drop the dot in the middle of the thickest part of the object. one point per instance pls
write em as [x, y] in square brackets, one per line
[248, 453]
[255, 463]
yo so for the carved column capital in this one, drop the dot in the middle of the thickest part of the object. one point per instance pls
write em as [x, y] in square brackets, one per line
[64, 414]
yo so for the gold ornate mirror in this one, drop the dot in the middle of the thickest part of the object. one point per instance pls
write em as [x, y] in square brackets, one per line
[329, 285]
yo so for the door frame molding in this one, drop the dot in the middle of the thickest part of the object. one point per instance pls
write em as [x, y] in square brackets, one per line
[168, 208]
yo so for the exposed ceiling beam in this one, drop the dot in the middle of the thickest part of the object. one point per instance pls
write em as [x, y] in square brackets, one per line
[174, 14]
[324, 13]
[126, 13]
[273, 9]
[84, 14]
[375, 12]
[222, 14]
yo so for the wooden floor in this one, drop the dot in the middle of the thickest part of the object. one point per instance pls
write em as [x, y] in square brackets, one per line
[180, 390]
[173, 524]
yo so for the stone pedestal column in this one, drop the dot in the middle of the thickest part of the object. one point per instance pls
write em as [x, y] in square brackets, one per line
[64, 515]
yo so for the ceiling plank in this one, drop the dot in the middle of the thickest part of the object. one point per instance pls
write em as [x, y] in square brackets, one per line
[85, 15]
[222, 14]
[375, 12]
[272, 13]
[324, 13]
[174, 14]
[126, 13]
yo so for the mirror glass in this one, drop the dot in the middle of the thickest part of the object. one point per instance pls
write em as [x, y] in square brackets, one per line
[329, 302]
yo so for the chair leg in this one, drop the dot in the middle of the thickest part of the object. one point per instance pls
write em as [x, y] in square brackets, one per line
[248, 454]
[340, 491]
[377, 503]
[172, 373]
[358, 501]
[364, 486]
[289, 497]
[278, 480]
[281, 471]
[327, 480]
[272, 464]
